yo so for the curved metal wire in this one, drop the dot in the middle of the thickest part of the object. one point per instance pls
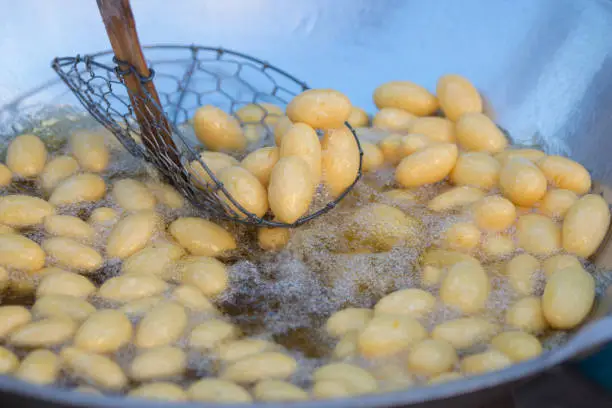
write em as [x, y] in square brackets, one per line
[188, 77]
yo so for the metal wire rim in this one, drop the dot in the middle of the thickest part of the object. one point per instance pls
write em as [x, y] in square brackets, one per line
[79, 72]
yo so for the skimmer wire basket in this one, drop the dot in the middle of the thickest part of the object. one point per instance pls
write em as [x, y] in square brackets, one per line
[187, 77]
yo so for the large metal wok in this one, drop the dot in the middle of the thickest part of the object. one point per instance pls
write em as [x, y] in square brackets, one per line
[544, 66]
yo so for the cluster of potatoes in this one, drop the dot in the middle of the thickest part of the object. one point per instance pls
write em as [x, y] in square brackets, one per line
[282, 178]
[524, 216]
[118, 267]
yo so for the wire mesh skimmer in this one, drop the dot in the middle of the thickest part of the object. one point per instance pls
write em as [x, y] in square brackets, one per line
[153, 121]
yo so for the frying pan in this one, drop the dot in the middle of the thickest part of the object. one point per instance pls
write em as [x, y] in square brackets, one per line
[544, 66]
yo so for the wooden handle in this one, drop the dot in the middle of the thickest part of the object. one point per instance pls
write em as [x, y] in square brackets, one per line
[121, 30]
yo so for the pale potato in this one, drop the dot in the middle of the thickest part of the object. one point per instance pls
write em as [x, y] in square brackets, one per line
[166, 194]
[347, 346]
[465, 287]
[201, 237]
[19, 252]
[557, 202]
[6, 176]
[347, 320]
[494, 213]
[73, 307]
[93, 368]
[454, 198]
[158, 363]
[340, 156]
[238, 349]
[18, 210]
[217, 130]
[393, 120]
[356, 380]
[205, 273]
[65, 283]
[430, 276]
[411, 302]
[57, 170]
[565, 173]
[518, 346]
[585, 225]
[464, 332]
[282, 126]
[69, 227]
[5, 229]
[215, 161]
[413, 142]
[476, 169]
[260, 112]
[73, 255]
[278, 391]
[476, 132]
[495, 247]
[90, 150]
[557, 262]
[521, 272]
[386, 335]
[127, 288]
[532, 155]
[462, 236]
[435, 128]
[568, 297]
[330, 389]
[133, 195]
[8, 361]
[320, 108]
[268, 365]
[538, 234]
[85, 187]
[12, 318]
[302, 141]
[457, 96]
[373, 157]
[103, 216]
[391, 148]
[484, 362]
[163, 325]
[405, 95]
[379, 227]
[273, 239]
[426, 166]
[137, 308]
[215, 390]
[444, 378]
[358, 118]
[131, 234]
[432, 357]
[245, 189]
[39, 367]
[48, 332]
[261, 162]
[26, 156]
[193, 299]
[291, 189]
[527, 315]
[149, 260]
[211, 334]
[522, 182]
[104, 331]
[160, 391]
